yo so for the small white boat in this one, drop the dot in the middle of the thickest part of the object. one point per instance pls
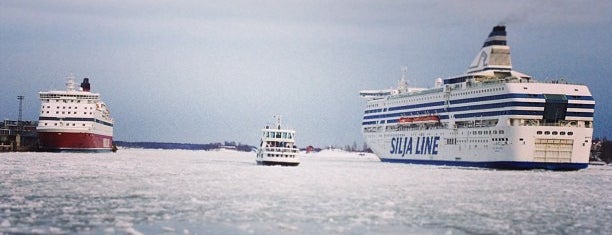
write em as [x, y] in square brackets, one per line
[277, 146]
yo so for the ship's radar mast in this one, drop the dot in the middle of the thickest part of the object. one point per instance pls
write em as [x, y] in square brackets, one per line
[403, 83]
[438, 83]
[70, 85]
[278, 121]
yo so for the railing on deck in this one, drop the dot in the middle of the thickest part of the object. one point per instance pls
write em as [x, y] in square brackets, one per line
[281, 149]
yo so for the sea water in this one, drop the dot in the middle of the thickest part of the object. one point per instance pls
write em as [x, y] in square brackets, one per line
[138, 191]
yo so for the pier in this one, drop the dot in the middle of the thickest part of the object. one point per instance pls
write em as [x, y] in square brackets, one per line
[18, 136]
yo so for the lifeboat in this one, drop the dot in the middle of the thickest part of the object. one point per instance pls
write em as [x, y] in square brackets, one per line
[419, 119]
[406, 120]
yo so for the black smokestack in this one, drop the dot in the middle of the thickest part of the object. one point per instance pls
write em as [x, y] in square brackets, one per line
[85, 84]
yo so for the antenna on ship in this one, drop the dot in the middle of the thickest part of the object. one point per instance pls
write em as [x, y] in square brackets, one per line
[403, 83]
[278, 121]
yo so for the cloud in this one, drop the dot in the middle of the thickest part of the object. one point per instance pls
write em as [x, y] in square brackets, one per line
[208, 50]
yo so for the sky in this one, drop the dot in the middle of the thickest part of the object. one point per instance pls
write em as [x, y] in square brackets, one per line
[209, 71]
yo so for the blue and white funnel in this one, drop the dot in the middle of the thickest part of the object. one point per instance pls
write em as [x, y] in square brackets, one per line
[495, 53]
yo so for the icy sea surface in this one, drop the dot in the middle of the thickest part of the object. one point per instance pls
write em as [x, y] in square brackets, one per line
[225, 192]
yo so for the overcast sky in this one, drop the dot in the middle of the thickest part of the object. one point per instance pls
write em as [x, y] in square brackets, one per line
[207, 71]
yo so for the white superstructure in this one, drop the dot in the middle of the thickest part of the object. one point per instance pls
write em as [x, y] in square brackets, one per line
[491, 116]
[277, 146]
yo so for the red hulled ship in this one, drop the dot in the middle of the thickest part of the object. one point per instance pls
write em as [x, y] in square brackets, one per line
[74, 120]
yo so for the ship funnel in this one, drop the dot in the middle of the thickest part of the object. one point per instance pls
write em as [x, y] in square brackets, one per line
[494, 54]
[85, 84]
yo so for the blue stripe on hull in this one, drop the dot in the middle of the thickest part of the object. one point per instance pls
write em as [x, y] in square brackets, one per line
[508, 165]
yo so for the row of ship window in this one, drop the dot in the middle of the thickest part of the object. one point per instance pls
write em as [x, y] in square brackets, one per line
[479, 91]
[64, 107]
[281, 155]
[486, 132]
[58, 96]
[452, 95]
[439, 96]
[57, 112]
[554, 133]
[483, 141]
[67, 124]
[417, 99]
[284, 135]
[453, 141]
[71, 101]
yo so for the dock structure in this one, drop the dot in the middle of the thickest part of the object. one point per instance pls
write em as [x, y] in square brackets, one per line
[18, 136]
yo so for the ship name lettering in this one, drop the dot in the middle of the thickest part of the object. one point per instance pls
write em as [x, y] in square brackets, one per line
[421, 146]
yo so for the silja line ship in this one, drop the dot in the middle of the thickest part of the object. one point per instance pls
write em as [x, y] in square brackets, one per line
[74, 120]
[492, 116]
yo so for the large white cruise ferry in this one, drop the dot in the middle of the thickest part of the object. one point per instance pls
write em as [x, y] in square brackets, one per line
[74, 120]
[491, 116]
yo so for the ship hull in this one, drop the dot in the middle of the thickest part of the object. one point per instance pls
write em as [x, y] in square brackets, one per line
[79, 142]
[277, 157]
[273, 163]
[503, 165]
[519, 148]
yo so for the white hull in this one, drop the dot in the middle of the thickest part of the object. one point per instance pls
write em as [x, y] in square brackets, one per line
[278, 156]
[487, 150]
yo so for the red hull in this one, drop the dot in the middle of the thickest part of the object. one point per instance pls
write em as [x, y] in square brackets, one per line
[58, 141]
